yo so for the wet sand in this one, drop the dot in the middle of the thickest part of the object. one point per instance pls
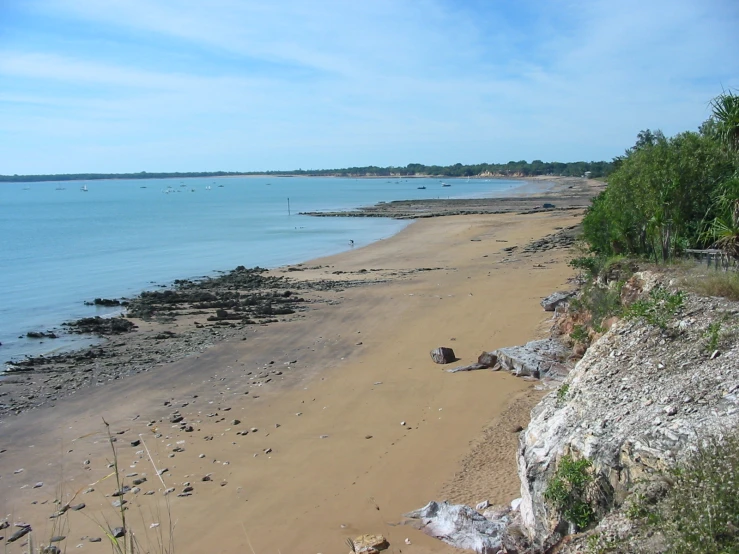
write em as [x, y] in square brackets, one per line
[354, 367]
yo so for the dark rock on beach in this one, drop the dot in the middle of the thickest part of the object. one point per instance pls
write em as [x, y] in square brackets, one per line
[101, 325]
[41, 335]
[443, 355]
[105, 302]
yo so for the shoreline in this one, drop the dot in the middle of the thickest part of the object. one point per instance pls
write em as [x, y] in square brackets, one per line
[285, 175]
[354, 366]
[69, 343]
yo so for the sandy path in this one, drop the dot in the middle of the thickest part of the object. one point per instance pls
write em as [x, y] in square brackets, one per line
[310, 493]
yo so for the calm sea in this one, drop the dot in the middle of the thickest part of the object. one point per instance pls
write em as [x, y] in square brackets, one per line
[61, 246]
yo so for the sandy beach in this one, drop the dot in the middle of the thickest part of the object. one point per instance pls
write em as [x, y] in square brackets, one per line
[350, 423]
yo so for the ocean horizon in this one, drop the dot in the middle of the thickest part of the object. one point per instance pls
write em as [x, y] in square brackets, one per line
[68, 242]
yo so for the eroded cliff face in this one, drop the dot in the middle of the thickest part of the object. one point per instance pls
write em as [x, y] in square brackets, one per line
[642, 398]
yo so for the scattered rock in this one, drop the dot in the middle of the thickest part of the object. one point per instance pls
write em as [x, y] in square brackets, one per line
[443, 355]
[482, 505]
[551, 302]
[20, 533]
[369, 544]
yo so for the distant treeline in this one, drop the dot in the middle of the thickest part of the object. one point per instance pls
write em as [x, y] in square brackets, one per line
[511, 169]
[99, 176]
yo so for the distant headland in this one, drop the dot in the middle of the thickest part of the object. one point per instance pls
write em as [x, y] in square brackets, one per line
[511, 169]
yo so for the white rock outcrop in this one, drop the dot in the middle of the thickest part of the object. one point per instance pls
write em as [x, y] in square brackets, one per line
[639, 400]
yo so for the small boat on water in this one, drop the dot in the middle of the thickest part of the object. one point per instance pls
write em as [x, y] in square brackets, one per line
[207, 187]
[421, 188]
[83, 188]
[60, 188]
[446, 185]
[220, 186]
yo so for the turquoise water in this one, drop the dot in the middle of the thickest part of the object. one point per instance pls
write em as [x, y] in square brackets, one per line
[61, 246]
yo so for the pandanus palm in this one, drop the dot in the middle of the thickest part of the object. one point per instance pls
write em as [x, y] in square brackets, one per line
[724, 229]
[726, 113]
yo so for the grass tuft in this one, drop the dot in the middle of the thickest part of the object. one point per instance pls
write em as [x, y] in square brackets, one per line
[716, 283]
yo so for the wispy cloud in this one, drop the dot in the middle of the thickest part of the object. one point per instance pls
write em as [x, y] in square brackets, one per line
[257, 85]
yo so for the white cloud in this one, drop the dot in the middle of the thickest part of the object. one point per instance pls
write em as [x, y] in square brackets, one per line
[344, 83]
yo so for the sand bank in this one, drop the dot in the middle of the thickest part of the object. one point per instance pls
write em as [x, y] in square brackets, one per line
[329, 458]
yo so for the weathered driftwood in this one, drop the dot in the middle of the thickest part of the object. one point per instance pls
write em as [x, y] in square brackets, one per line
[471, 367]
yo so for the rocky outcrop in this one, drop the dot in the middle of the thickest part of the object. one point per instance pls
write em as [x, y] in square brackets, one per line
[539, 358]
[100, 325]
[551, 302]
[462, 526]
[646, 394]
[641, 399]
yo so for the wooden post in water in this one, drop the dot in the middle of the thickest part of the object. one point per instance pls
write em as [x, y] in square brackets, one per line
[288, 206]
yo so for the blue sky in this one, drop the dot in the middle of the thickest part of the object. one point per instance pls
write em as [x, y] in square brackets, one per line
[186, 85]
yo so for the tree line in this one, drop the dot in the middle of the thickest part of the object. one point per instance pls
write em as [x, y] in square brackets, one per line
[668, 194]
[511, 169]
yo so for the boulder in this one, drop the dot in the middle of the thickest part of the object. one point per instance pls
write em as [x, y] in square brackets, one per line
[538, 358]
[551, 302]
[443, 355]
[461, 526]
[369, 544]
[487, 359]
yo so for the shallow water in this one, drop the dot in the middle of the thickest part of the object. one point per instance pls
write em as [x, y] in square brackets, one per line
[61, 246]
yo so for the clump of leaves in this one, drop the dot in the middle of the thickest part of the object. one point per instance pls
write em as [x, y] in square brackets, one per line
[566, 491]
[713, 335]
[562, 393]
[580, 334]
[658, 308]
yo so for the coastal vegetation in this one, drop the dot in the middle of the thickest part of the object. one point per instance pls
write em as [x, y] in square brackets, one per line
[520, 168]
[665, 197]
[669, 194]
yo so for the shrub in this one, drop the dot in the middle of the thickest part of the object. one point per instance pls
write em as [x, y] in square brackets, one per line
[580, 334]
[599, 301]
[658, 308]
[702, 509]
[566, 491]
